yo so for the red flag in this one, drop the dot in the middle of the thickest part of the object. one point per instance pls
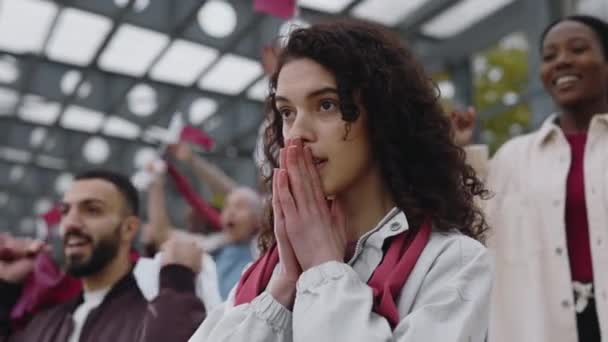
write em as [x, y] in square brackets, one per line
[52, 217]
[196, 136]
[46, 286]
[284, 9]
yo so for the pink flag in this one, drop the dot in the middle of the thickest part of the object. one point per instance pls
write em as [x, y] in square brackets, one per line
[284, 9]
[46, 286]
[196, 136]
[52, 217]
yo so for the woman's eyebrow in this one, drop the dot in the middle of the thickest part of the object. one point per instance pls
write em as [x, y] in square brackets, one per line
[311, 94]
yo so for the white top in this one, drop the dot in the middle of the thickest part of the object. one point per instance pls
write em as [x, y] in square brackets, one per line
[91, 300]
[147, 275]
[446, 298]
[533, 298]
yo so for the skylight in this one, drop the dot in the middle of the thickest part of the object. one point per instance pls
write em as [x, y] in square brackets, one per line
[70, 80]
[259, 91]
[36, 109]
[132, 50]
[8, 100]
[96, 150]
[51, 162]
[183, 62]
[77, 36]
[14, 154]
[82, 119]
[9, 69]
[16, 173]
[142, 100]
[217, 18]
[24, 24]
[387, 12]
[37, 136]
[461, 16]
[231, 74]
[144, 156]
[63, 182]
[333, 7]
[201, 109]
[120, 127]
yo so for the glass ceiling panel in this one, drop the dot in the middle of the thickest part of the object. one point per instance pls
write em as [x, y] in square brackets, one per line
[119, 127]
[461, 16]
[333, 7]
[201, 109]
[35, 109]
[387, 12]
[132, 50]
[77, 36]
[183, 62]
[24, 24]
[231, 74]
[259, 91]
[82, 119]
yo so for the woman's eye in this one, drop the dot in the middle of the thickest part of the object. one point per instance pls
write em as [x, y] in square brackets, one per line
[327, 105]
[285, 112]
[579, 49]
[548, 56]
[93, 210]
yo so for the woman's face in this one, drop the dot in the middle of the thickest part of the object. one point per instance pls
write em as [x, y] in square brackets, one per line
[307, 99]
[573, 69]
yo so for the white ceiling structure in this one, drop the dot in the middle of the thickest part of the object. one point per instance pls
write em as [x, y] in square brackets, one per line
[90, 83]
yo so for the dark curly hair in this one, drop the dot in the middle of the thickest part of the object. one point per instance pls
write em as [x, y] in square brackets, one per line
[411, 137]
[597, 25]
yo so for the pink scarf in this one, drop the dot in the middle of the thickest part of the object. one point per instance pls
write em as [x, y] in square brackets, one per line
[198, 204]
[387, 280]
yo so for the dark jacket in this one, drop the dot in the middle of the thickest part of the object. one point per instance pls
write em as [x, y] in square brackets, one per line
[124, 314]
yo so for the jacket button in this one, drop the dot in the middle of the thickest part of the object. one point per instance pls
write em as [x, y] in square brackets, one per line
[565, 303]
[559, 251]
[556, 203]
[395, 226]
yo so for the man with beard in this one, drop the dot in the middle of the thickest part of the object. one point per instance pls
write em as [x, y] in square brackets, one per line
[98, 225]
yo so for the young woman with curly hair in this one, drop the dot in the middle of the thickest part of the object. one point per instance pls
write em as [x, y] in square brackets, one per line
[374, 230]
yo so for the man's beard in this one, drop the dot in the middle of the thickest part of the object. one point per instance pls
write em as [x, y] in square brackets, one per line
[104, 251]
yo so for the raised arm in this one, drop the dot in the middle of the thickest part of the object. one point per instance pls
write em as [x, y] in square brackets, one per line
[159, 224]
[217, 180]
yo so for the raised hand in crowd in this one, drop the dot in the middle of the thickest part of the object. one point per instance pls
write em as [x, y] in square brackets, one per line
[17, 257]
[463, 125]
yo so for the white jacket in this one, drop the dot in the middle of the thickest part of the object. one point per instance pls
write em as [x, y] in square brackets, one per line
[533, 295]
[446, 298]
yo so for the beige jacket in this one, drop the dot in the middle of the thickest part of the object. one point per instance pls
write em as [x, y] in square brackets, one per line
[533, 294]
[446, 298]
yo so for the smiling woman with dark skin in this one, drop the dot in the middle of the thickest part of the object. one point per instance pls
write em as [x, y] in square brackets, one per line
[549, 215]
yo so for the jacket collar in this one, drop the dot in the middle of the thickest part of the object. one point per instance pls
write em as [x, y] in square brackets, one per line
[550, 129]
[125, 284]
[393, 223]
